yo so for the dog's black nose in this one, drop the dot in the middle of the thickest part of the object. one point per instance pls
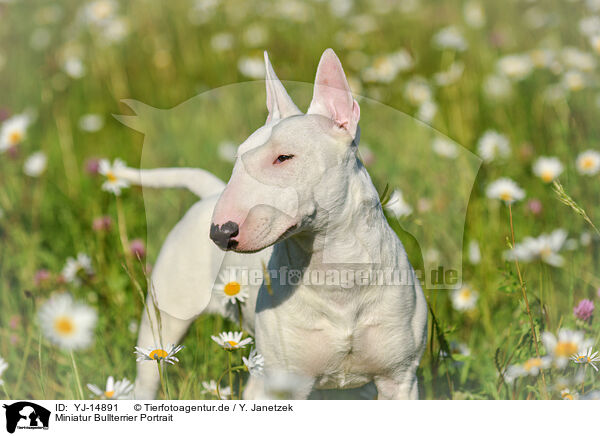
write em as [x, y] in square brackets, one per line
[222, 235]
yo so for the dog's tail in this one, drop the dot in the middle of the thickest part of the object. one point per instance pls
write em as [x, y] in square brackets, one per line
[200, 182]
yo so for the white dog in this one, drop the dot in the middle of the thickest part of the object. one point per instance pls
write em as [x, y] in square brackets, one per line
[298, 201]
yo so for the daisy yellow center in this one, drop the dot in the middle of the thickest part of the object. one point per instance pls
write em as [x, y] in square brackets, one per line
[538, 58]
[158, 354]
[64, 326]
[15, 137]
[232, 288]
[567, 396]
[587, 163]
[532, 363]
[545, 252]
[565, 349]
[382, 64]
[111, 177]
[232, 344]
[506, 196]
[102, 10]
[109, 394]
[583, 359]
[547, 176]
[465, 294]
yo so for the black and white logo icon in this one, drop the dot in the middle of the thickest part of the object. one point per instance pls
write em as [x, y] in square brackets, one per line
[26, 415]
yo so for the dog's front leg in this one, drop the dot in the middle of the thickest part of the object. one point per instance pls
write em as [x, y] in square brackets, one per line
[147, 380]
[402, 386]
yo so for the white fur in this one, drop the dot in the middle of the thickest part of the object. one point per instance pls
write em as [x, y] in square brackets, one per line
[316, 212]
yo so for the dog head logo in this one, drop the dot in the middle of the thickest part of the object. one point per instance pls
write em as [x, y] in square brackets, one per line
[26, 415]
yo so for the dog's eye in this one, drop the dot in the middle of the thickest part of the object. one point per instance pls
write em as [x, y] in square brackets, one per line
[282, 158]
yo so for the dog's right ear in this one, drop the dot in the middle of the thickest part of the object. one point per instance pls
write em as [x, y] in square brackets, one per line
[279, 103]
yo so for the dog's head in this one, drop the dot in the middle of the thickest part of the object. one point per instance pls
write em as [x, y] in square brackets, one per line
[292, 167]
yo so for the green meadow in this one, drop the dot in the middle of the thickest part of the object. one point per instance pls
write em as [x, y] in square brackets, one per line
[454, 96]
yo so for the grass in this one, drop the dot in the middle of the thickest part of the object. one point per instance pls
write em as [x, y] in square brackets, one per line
[168, 60]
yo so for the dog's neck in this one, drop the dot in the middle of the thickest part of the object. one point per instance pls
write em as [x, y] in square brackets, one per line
[356, 234]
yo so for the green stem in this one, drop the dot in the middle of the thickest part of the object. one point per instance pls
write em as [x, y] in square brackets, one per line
[522, 285]
[24, 360]
[76, 372]
[240, 316]
[230, 373]
[160, 366]
[40, 364]
[5, 392]
[123, 233]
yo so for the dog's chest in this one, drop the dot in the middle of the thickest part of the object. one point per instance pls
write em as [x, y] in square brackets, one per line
[331, 336]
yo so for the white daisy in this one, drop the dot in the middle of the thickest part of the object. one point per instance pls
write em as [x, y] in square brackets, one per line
[445, 148]
[427, 111]
[76, 268]
[67, 323]
[114, 30]
[543, 58]
[113, 183]
[230, 288]
[573, 80]
[13, 131]
[566, 394]
[255, 35]
[589, 25]
[474, 253]
[595, 42]
[227, 151]
[159, 354]
[449, 76]
[385, 68]
[515, 67]
[222, 42]
[211, 388]
[532, 367]
[252, 67]
[114, 391]
[450, 38]
[474, 14]
[497, 87]
[397, 206]
[464, 299]
[587, 357]
[506, 190]
[255, 363]
[588, 162]
[493, 145]
[545, 247]
[577, 59]
[231, 340]
[91, 122]
[98, 12]
[567, 343]
[547, 168]
[3, 367]
[417, 91]
[74, 67]
[35, 164]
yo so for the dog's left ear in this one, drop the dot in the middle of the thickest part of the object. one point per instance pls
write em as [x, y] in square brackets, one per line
[279, 103]
[332, 96]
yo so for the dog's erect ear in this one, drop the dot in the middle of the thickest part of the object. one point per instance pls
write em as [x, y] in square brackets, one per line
[332, 96]
[279, 103]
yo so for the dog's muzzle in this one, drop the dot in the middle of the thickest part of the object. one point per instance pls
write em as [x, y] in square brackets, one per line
[223, 235]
